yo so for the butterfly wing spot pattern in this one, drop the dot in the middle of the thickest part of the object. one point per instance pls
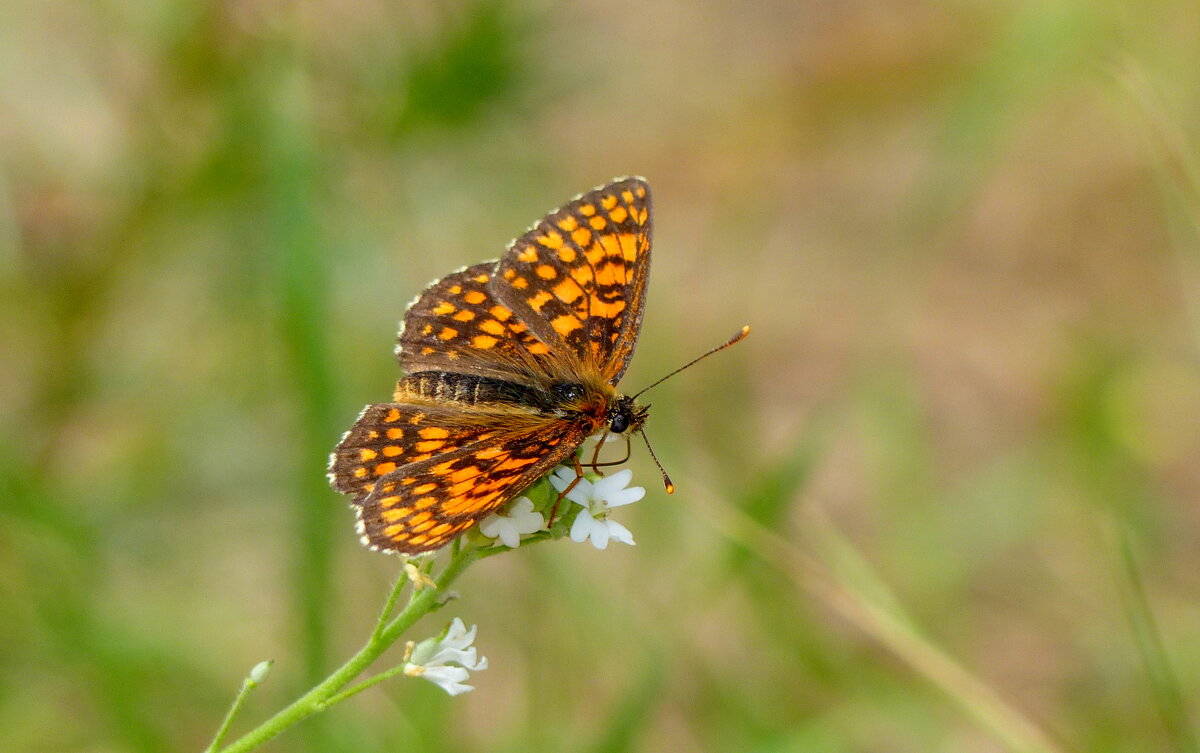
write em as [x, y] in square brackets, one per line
[510, 365]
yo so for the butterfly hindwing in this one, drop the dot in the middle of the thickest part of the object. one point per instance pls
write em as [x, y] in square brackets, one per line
[389, 435]
[461, 467]
[457, 325]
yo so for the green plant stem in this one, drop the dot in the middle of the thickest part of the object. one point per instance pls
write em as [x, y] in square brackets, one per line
[386, 675]
[248, 684]
[1163, 679]
[328, 691]
[390, 605]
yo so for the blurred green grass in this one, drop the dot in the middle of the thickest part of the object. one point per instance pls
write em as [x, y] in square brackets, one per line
[966, 237]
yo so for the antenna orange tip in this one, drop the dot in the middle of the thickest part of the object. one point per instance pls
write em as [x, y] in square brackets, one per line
[738, 337]
[670, 488]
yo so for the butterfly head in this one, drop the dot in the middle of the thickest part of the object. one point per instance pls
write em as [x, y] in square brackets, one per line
[604, 409]
[626, 416]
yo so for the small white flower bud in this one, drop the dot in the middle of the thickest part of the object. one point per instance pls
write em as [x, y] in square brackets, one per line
[260, 671]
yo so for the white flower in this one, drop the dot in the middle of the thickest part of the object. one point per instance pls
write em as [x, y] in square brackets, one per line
[599, 530]
[434, 659]
[597, 498]
[508, 528]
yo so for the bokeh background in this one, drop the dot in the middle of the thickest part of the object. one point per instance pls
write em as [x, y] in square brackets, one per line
[944, 498]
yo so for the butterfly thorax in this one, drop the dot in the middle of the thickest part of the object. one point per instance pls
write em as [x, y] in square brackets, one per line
[600, 406]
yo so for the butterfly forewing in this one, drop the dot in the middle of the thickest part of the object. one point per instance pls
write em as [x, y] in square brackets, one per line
[578, 277]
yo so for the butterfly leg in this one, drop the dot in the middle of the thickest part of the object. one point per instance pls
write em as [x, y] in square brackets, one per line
[596, 466]
[562, 495]
[596, 452]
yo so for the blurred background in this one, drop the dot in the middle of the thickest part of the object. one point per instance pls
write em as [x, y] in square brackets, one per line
[943, 498]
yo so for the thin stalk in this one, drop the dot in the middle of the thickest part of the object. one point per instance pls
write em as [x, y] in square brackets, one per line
[1162, 676]
[248, 684]
[891, 631]
[369, 683]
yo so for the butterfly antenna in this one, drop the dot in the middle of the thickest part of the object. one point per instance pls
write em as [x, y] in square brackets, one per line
[731, 341]
[670, 487]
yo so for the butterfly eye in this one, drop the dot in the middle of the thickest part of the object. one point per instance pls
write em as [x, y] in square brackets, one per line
[619, 422]
[567, 392]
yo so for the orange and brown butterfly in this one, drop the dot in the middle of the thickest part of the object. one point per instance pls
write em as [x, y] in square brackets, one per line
[511, 365]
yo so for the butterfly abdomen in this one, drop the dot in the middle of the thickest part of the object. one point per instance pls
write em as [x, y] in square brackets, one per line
[469, 389]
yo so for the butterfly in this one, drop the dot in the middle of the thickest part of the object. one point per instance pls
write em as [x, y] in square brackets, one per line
[511, 364]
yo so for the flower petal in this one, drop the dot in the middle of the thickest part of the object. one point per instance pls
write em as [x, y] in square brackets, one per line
[619, 532]
[529, 521]
[562, 477]
[600, 535]
[493, 526]
[523, 506]
[581, 529]
[449, 679]
[611, 484]
[581, 493]
[520, 519]
[457, 636]
[444, 656]
[625, 496]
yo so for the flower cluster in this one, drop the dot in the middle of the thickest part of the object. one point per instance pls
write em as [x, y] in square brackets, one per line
[597, 498]
[449, 659]
[591, 523]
